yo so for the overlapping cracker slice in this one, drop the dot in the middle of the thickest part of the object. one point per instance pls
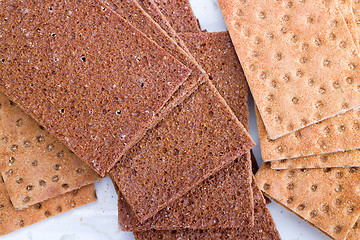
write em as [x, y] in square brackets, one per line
[264, 227]
[85, 74]
[335, 134]
[298, 58]
[346, 11]
[198, 138]
[180, 15]
[224, 200]
[12, 219]
[35, 165]
[326, 198]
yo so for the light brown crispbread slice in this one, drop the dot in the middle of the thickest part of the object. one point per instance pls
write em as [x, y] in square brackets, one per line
[35, 165]
[180, 15]
[346, 11]
[326, 198]
[335, 134]
[354, 233]
[264, 228]
[299, 60]
[85, 74]
[198, 138]
[12, 220]
[224, 200]
[355, 7]
[350, 158]
[216, 54]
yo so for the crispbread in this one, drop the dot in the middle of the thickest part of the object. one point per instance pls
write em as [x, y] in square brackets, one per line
[354, 233]
[198, 138]
[345, 7]
[180, 15]
[264, 228]
[216, 54]
[12, 220]
[355, 6]
[350, 158]
[85, 74]
[335, 134]
[225, 200]
[327, 198]
[299, 60]
[35, 165]
[134, 14]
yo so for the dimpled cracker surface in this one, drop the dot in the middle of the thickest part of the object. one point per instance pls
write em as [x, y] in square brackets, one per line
[354, 233]
[326, 198]
[216, 54]
[350, 158]
[133, 13]
[335, 134]
[346, 11]
[264, 228]
[180, 15]
[298, 58]
[35, 165]
[198, 138]
[224, 200]
[85, 74]
[12, 220]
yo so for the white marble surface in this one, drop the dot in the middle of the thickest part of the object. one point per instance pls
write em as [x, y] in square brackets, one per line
[98, 220]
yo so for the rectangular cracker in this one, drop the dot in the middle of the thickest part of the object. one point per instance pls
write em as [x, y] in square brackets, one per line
[350, 158]
[299, 60]
[335, 134]
[35, 165]
[216, 54]
[198, 138]
[179, 14]
[12, 219]
[89, 77]
[264, 227]
[326, 198]
[224, 200]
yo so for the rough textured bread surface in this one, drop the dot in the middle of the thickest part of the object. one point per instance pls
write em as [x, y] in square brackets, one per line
[264, 228]
[85, 74]
[180, 15]
[335, 134]
[299, 60]
[12, 220]
[35, 165]
[198, 138]
[216, 54]
[326, 198]
[224, 200]
[350, 158]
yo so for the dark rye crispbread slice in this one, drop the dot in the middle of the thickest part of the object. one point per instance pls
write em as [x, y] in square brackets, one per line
[134, 14]
[12, 219]
[216, 54]
[198, 138]
[224, 200]
[179, 14]
[35, 165]
[299, 60]
[327, 198]
[89, 77]
[264, 228]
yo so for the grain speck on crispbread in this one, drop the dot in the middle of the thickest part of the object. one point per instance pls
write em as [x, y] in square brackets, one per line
[35, 165]
[12, 220]
[89, 77]
[200, 136]
[327, 198]
[298, 60]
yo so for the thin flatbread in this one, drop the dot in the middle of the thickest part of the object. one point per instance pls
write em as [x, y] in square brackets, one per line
[85, 74]
[35, 165]
[299, 60]
[12, 220]
[327, 198]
